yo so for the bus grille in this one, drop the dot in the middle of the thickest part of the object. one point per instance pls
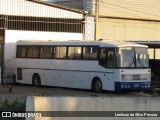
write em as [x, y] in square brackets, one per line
[135, 77]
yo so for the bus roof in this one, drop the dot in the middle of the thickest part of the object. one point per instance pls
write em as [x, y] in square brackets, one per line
[105, 43]
[150, 44]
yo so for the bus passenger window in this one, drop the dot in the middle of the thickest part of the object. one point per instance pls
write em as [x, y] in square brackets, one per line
[110, 61]
[86, 51]
[33, 52]
[71, 52]
[90, 53]
[74, 52]
[21, 51]
[106, 58]
[93, 54]
[78, 52]
[46, 52]
[60, 52]
[103, 60]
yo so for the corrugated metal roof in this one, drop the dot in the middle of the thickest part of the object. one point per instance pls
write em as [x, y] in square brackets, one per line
[37, 8]
[135, 9]
[58, 6]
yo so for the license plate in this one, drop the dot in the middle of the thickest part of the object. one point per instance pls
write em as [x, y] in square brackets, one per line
[136, 85]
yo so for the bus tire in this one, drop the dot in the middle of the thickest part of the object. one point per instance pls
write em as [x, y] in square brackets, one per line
[97, 85]
[36, 80]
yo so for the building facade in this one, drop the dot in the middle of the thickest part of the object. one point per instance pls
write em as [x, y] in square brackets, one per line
[34, 19]
[123, 19]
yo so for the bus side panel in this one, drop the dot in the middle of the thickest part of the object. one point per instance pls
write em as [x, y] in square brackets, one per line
[108, 82]
[62, 73]
[26, 77]
[70, 79]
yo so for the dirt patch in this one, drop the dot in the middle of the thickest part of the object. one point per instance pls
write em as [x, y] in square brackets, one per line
[20, 92]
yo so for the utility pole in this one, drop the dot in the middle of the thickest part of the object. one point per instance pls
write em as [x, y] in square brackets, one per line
[96, 19]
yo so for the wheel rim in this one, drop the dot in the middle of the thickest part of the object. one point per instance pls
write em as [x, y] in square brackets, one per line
[36, 80]
[98, 86]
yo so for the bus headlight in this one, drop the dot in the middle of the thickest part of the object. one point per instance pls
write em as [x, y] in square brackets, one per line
[123, 77]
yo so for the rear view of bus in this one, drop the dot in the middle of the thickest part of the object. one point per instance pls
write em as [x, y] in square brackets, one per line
[133, 72]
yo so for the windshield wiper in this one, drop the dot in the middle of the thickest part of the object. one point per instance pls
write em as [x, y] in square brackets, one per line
[133, 62]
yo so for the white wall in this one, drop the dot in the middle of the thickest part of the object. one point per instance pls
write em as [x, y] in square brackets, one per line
[14, 35]
[118, 29]
[110, 103]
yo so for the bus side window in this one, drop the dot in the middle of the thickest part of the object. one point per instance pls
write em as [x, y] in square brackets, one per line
[90, 53]
[103, 57]
[107, 58]
[33, 52]
[110, 61]
[60, 52]
[71, 52]
[86, 51]
[74, 52]
[94, 52]
[21, 51]
[78, 52]
[46, 52]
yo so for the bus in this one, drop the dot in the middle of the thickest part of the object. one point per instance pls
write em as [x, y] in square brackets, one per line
[95, 65]
[154, 60]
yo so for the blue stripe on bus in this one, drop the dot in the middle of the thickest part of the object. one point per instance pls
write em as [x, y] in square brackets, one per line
[132, 85]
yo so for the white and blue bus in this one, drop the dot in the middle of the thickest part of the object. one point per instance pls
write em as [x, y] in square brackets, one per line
[97, 65]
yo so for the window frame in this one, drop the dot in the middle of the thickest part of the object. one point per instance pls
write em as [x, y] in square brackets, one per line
[45, 56]
[97, 56]
[32, 51]
[74, 53]
[66, 54]
[18, 46]
[106, 57]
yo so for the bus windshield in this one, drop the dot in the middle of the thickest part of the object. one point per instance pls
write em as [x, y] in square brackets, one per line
[131, 57]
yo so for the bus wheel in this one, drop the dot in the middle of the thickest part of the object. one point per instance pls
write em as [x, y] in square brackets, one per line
[36, 80]
[97, 85]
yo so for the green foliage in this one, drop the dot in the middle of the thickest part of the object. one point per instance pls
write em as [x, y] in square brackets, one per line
[15, 106]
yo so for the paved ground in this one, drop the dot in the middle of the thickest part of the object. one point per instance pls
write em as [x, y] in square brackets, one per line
[22, 91]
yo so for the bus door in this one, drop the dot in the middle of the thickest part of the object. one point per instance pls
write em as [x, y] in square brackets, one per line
[107, 60]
